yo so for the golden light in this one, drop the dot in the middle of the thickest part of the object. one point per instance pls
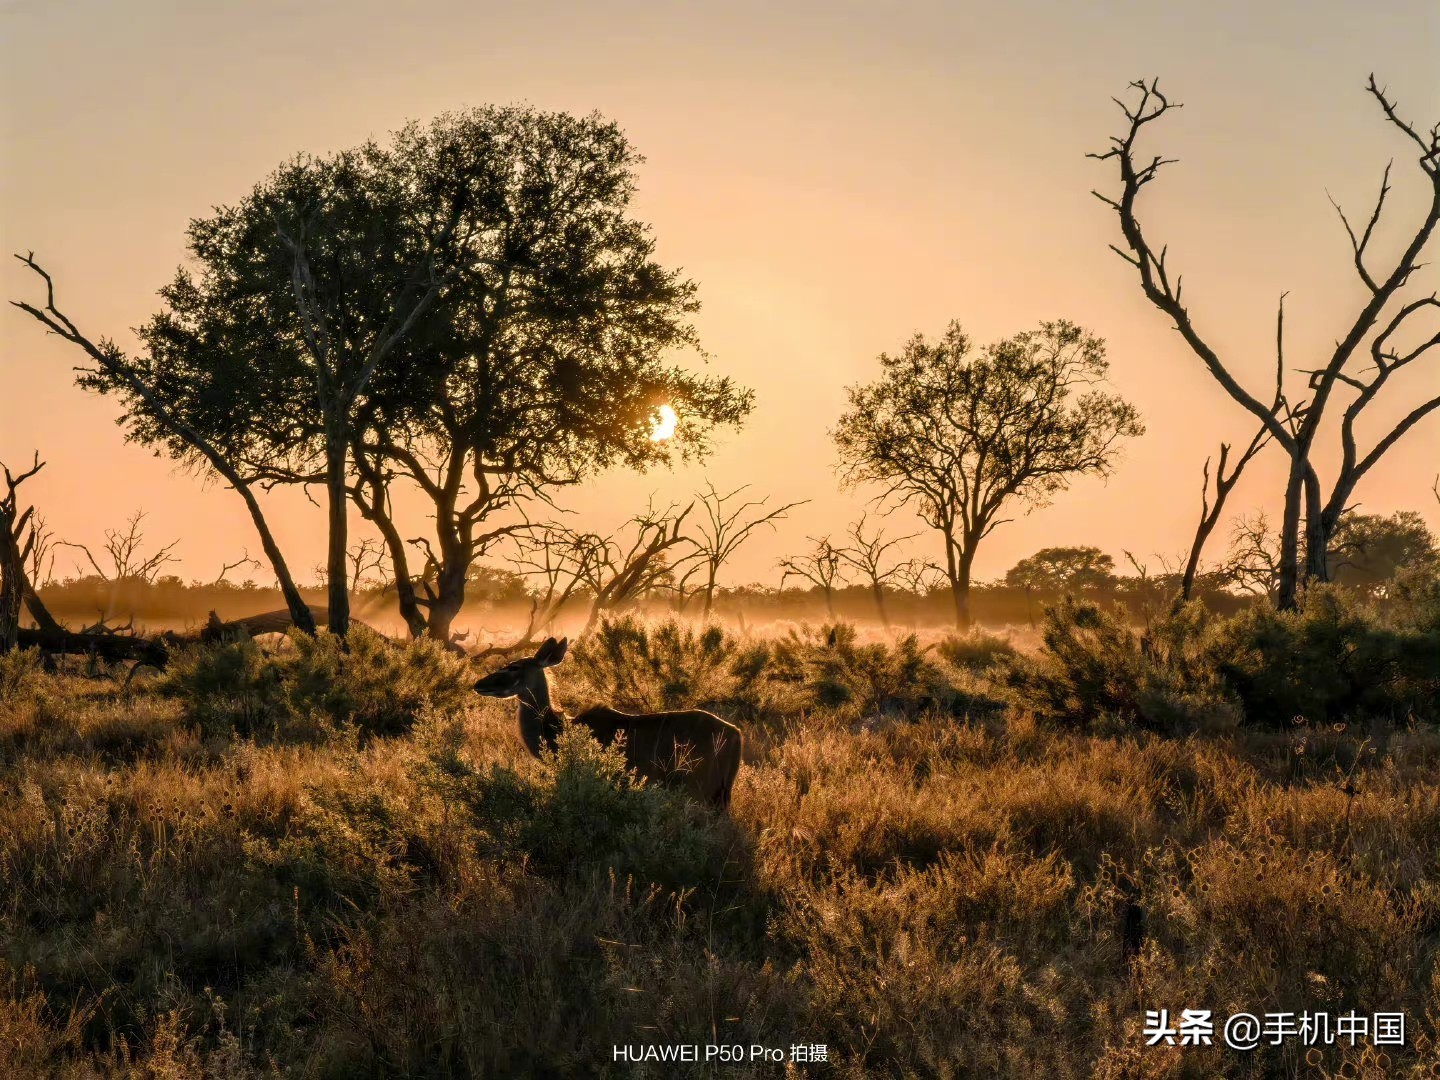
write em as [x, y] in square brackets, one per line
[663, 426]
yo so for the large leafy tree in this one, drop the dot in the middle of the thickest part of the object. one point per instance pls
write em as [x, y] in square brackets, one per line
[1368, 551]
[963, 435]
[295, 298]
[470, 307]
[546, 364]
[1056, 569]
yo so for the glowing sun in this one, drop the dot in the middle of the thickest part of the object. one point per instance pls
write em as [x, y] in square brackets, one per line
[662, 426]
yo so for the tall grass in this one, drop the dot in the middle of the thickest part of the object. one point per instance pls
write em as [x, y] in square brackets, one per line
[340, 863]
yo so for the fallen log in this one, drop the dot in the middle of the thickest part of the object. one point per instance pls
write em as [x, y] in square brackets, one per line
[155, 651]
[268, 622]
[151, 651]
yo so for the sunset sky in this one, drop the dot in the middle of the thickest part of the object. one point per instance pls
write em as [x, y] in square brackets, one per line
[834, 176]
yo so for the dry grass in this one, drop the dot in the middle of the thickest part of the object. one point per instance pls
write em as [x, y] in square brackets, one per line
[373, 878]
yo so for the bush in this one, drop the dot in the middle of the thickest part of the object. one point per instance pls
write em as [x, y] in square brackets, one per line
[367, 682]
[1330, 660]
[858, 679]
[976, 651]
[1095, 667]
[654, 667]
[21, 672]
[587, 816]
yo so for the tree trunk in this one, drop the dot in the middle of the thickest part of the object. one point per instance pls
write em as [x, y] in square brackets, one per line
[1192, 565]
[709, 596]
[400, 565]
[1317, 538]
[108, 646]
[958, 593]
[960, 588]
[449, 599]
[879, 591]
[1287, 596]
[38, 611]
[11, 593]
[337, 567]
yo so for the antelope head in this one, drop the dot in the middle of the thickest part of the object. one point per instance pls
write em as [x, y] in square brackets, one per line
[525, 678]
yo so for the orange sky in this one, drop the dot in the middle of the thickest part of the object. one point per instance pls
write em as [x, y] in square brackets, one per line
[835, 176]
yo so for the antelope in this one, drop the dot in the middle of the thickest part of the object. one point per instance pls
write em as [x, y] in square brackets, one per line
[693, 751]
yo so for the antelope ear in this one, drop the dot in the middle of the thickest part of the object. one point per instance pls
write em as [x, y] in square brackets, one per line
[552, 652]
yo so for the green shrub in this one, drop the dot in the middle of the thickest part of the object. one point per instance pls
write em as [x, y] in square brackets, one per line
[377, 686]
[653, 667]
[1412, 601]
[586, 815]
[1330, 660]
[859, 679]
[976, 651]
[1095, 666]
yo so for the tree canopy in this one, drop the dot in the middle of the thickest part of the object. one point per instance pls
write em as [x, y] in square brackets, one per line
[1060, 568]
[1368, 551]
[962, 435]
[470, 306]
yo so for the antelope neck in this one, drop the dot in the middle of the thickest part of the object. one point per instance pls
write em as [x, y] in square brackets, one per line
[539, 722]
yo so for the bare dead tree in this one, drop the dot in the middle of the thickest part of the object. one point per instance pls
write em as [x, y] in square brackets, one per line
[109, 360]
[362, 559]
[921, 577]
[822, 566]
[726, 527]
[1210, 511]
[1295, 427]
[1254, 562]
[17, 543]
[1151, 589]
[868, 553]
[611, 571]
[367, 558]
[244, 560]
[18, 538]
[124, 550]
[624, 572]
[41, 565]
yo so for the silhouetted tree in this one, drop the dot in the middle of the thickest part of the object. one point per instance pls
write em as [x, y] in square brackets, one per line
[1373, 334]
[157, 413]
[1254, 560]
[821, 566]
[611, 571]
[1056, 569]
[727, 525]
[868, 553]
[469, 306]
[544, 364]
[1368, 551]
[17, 542]
[1212, 507]
[960, 434]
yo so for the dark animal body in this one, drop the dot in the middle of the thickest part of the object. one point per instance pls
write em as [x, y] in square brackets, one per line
[693, 750]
